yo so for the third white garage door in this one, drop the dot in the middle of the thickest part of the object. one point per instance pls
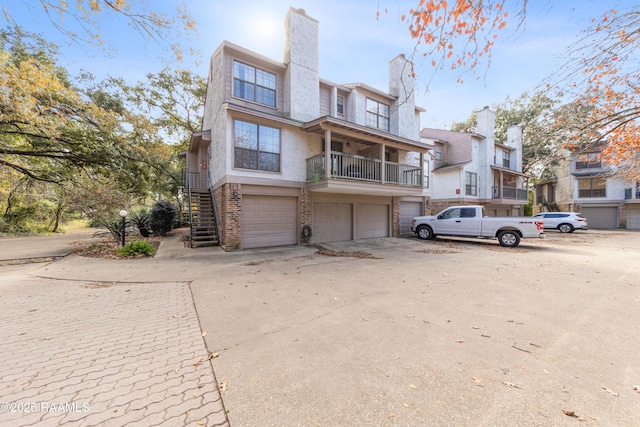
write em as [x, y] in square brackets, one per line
[408, 211]
[373, 220]
[633, 219]
[269, 221]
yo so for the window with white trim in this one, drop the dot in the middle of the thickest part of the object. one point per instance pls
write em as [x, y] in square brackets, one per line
[340, 104]
[471, 187]
[256, 147]
[377, 115]
[254, 84]
[438, 152]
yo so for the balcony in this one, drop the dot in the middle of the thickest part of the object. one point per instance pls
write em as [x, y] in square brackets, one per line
[358, 168]
[510, 193]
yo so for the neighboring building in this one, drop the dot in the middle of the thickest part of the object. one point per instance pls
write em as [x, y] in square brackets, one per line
[584, 184]
[285, 153]
[473, 168]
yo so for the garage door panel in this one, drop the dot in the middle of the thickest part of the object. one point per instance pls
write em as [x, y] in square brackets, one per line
[332, 222]
[633, 219]
[601, 217]
[408, 211]
[373, 221]
[269, 221]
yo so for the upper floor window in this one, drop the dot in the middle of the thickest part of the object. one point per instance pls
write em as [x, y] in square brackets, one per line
[438, 152]
[377, 115]
[426, 171]
[588, 161]
[254, 84]
[256, 147]
[592, 187]
[506, 159]
[340, 104]
[471, 188]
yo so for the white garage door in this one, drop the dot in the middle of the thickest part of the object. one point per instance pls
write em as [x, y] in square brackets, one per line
[601, 217]
[373, 221]
[332, 222]
[633, 220]
[408, 211]
[269, 221]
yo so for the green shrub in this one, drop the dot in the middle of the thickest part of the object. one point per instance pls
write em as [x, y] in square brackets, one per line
[136, 247]
[162, 216]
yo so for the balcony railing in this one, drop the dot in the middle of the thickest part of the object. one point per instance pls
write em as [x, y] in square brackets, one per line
[512, 193]
[359, 168]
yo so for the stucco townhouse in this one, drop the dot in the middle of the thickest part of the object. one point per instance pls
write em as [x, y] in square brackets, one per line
[287, 157]
[583, 183]
[474, 168]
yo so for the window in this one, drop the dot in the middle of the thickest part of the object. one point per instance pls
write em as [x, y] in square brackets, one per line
[377, 115]
[438, 152]
[468, 213]
[256, 147]
[425, 177]
[254, 84]
[588, 161]
[594, 187]
[340, 105]
[471, 184]
[506, 159]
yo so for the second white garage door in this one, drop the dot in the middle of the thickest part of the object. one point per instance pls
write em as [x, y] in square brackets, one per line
[269, 221]
[332, 222]
[601, 217]
[373, 220]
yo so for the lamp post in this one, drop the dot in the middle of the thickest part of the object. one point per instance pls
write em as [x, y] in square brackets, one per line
[123, 214]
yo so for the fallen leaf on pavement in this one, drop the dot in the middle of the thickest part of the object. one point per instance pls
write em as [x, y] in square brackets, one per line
[391, 415]
[199, 361]
[223, 385]
[510, 384]
[213, 355]
[413, 386]
[569, 413]
[205, 333]
[611, 392]
[478, 381]
[459, 341]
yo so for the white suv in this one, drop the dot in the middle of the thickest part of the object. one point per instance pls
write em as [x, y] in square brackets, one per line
[565, 222]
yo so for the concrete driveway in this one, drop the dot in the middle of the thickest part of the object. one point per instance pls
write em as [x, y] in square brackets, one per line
[406, 333]
[441, 333]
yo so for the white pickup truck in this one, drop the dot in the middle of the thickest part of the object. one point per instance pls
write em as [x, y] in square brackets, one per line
[469, 221]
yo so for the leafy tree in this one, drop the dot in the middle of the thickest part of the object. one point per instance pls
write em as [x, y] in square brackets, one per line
[79, 20]
[600, 71]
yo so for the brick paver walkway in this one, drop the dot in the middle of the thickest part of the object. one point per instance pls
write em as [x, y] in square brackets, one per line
[114, 354]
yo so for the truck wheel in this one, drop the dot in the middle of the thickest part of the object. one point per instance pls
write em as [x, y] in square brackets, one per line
[508, 239]
[565, 228]
[425, 232]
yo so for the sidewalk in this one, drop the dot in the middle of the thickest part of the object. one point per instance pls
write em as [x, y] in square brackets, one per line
[82, 347]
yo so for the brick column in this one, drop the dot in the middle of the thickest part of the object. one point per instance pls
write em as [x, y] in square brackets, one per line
[305, 212]
[395, 216]
[232, 217]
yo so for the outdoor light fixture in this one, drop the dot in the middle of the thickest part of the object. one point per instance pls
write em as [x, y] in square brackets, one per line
[123, 214]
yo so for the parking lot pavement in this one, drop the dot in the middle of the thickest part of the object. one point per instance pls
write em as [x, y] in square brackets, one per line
[87, 353]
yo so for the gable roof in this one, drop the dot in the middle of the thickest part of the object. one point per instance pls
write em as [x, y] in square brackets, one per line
[449, 136]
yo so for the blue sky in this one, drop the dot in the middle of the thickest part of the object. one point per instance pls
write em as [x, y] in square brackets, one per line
[354, 45]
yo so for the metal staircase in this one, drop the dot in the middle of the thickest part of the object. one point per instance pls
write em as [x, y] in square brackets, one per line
[202, 219]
